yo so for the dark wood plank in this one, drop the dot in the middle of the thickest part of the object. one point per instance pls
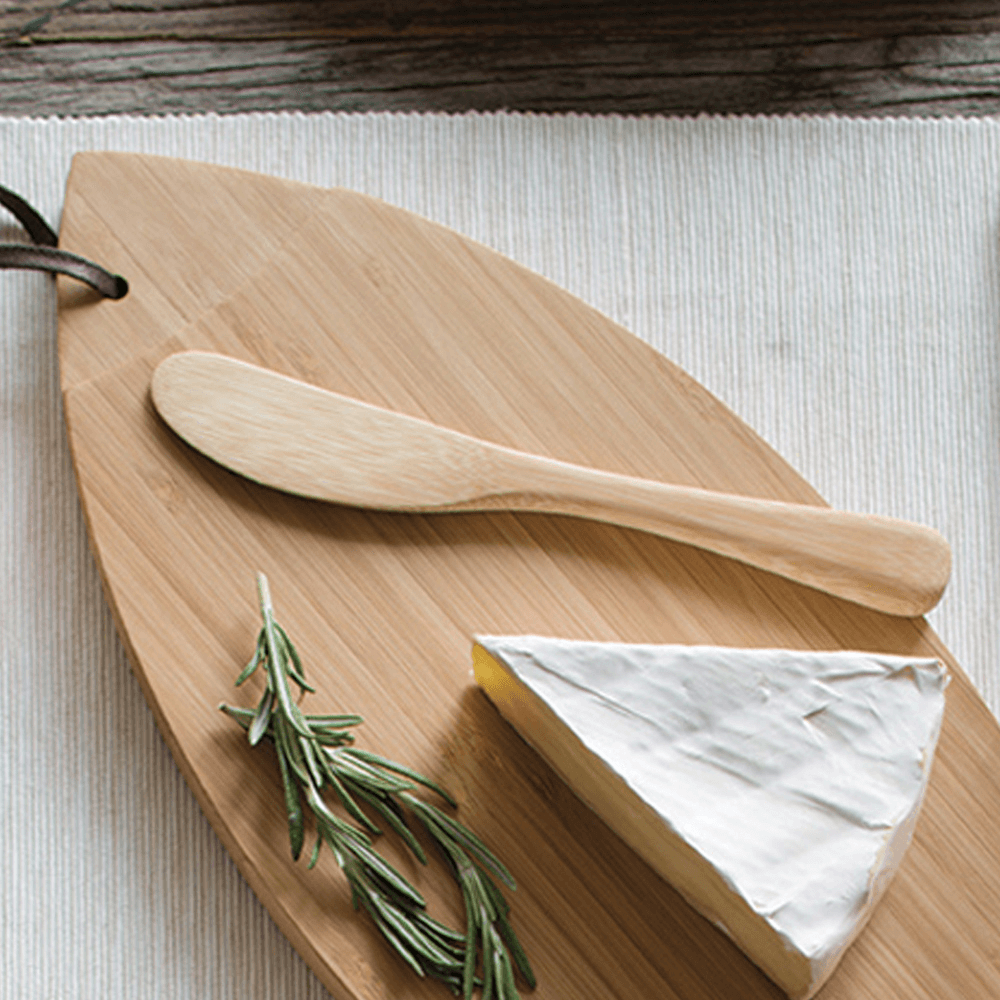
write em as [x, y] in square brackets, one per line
[52, 20]
[91, 57]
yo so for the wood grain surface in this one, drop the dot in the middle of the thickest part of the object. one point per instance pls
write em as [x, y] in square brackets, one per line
[95, 57]
[365, 299]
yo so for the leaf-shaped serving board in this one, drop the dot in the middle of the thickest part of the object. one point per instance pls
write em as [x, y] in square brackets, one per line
[363, 298]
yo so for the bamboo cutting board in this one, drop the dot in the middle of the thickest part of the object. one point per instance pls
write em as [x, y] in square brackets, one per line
[367, 300]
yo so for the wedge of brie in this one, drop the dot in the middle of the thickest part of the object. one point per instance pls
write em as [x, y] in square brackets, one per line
[775, 790]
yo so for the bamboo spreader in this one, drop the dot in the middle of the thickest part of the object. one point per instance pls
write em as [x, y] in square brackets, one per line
[282, 432]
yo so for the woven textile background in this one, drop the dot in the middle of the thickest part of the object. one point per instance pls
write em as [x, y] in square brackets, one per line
[836, 282]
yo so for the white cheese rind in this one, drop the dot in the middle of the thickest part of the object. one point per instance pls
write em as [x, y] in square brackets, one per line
[783, 786]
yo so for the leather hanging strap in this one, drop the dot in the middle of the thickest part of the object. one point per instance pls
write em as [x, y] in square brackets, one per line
[44, 255]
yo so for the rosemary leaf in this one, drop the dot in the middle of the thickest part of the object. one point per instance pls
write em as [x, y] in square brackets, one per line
[262, 719]
[276, 667]
[334, 721]
[385, 808]
[315, 854]
[249, 669]
[503, 973]
[334, 825]
[388, 876]
[295, 665]
[446, 830]
[448, 939]
[363, 893]
[284, 738]
[346, 799]
[244, 716]
[470, 841]
[390, 935]
[311, 756]
[510, 938]
[469, 970]
[484, 924]
[389, 765]
[409, 932]
[293, 805]
[331, 738]
[337, 844]
[348, 764]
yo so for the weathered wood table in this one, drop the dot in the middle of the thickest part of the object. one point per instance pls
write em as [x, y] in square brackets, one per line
[87, 57]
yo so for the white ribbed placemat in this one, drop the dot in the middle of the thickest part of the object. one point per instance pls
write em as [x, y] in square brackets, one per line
[836, 282]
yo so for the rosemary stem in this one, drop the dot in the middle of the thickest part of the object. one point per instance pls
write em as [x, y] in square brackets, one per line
[264, 592]
[311, 760]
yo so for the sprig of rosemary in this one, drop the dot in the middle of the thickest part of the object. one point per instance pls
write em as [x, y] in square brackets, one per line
[316, 753]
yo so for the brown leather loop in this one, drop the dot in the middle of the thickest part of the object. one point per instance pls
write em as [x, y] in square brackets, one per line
[38, 229]
[46, 257]
[24, 255]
